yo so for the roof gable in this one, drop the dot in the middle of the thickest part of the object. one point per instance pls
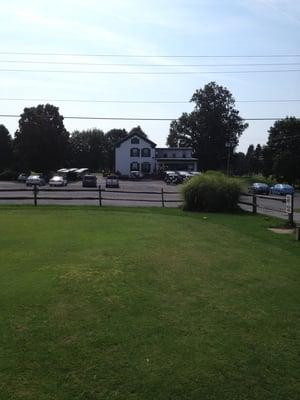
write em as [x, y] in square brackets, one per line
[135, 135]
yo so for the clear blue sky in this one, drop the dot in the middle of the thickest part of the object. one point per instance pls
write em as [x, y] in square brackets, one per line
[156, 27]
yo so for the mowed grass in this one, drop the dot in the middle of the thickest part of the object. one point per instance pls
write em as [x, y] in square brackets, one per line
[146, 304]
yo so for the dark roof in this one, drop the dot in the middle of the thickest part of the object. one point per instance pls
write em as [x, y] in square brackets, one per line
[133, 135]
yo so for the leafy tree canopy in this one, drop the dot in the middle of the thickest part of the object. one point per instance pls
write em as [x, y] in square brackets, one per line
[5, 148]
[88, 149]
[283, 149]
[41, 142]
[254, 159]
[211, 129]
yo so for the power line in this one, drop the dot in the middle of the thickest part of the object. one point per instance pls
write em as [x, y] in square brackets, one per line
[138, 118]
[151, 55]
[139, 101]
[145, 65]
[148, 73]
[100, 101]
[268, 101]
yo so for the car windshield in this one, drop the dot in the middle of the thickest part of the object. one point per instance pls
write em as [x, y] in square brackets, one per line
[57, 178]
[89, 178]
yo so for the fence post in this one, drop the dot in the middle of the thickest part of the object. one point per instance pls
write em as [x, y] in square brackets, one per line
[100, 196]
[162, 197]
[35, 191]
[291, 211]
[254, 204]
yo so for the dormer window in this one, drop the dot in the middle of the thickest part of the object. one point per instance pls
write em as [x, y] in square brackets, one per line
[135, 140]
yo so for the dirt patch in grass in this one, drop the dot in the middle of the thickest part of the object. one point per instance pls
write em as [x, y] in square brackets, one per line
[282, 230]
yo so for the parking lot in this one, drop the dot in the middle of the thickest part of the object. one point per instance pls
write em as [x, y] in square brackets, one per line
[150, 195]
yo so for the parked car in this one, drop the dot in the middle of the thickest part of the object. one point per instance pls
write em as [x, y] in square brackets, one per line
[282, 189]
[58, 180]
[172, 178]
[135, 175]
[22, 177]
[185, 175]
[259, 188]
[112, 181]
[195, 173]
[89, 181]
[35, 180]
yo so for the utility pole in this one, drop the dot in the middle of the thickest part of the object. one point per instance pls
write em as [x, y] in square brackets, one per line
[228, 145]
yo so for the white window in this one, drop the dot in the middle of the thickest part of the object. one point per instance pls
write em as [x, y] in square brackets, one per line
[134, 166]
[146, 152]
[146, 167]
[135, 140]
[134, 152]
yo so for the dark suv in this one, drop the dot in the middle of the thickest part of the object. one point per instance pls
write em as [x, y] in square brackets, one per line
[89, 181]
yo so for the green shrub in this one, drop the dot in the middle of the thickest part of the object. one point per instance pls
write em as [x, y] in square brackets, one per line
[211, 192]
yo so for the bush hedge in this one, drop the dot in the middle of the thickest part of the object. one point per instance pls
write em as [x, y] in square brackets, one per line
[212, 192]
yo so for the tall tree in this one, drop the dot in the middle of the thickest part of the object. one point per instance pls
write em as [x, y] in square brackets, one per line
[267, 161]
[258, 159]
[5, 148]
[41, 142]
[88, 149]
[283, 149]
[239, 163]
[254, 159]
[250, 158]
[112, 137]
[212, 129]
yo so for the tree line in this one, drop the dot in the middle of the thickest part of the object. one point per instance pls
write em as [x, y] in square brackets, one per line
[212, 129]
[43, 144]
[279, 157]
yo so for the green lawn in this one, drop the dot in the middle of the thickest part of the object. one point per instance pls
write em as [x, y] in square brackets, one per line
[140, 304]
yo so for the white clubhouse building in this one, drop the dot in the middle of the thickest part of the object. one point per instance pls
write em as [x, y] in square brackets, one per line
[140, 155]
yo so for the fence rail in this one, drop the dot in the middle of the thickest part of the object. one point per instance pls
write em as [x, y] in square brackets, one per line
[100, 196]
[289, 199]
